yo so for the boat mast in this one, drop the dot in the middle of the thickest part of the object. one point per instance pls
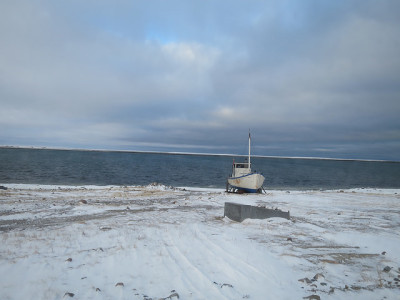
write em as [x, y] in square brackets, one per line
[249, 149]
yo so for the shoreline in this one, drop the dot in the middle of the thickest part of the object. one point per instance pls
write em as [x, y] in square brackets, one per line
[194, 188]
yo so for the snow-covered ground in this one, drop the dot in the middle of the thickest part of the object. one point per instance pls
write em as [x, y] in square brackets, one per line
[157, 242]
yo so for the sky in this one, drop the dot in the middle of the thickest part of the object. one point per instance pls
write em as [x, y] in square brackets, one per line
[308, 78]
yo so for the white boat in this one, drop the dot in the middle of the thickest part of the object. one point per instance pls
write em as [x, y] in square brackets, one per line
[243, 179]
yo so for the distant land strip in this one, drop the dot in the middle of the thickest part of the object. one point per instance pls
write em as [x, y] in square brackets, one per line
[193, 153]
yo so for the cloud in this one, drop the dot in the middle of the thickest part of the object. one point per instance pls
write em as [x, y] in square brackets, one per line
[308, 78]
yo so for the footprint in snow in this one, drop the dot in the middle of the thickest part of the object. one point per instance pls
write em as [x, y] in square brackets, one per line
[224, 284]
[69, 294]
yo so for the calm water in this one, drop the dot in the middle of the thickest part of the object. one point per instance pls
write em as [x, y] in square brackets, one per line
[64, 167]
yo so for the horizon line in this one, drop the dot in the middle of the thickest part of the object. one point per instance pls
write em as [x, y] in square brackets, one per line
[193, 153]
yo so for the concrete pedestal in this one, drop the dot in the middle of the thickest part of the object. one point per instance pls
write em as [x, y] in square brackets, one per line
[239, 212]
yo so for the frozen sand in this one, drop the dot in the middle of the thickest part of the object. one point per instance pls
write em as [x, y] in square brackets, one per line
[162, 242]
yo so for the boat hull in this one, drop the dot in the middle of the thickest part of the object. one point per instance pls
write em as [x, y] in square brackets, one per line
[250, 183]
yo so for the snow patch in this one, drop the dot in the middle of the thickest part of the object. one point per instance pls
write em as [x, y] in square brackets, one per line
[131, 242]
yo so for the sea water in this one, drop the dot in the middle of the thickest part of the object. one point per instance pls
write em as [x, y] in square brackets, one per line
[73, 167]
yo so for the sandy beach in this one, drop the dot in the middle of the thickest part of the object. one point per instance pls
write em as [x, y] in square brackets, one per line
[158, 242]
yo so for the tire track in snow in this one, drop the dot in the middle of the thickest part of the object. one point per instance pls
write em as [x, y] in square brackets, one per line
[263, 277]
[194, 276]
[225, 265]
[229, 258]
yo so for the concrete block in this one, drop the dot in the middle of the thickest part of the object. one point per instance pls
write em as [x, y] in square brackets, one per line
[239, 212]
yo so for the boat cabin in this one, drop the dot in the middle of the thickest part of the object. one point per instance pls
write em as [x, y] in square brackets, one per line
[241, 169]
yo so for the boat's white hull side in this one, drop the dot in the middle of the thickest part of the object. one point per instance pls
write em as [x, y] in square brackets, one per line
[249, 183]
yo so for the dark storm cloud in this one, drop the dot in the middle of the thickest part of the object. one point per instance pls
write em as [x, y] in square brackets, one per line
[309, 78]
